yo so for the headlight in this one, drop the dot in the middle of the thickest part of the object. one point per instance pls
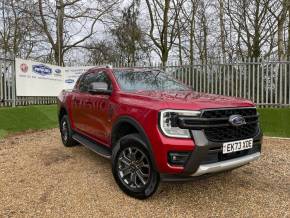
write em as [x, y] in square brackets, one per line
[168, 122]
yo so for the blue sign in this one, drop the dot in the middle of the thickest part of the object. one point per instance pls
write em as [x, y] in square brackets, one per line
[41, 69]
[69, 81]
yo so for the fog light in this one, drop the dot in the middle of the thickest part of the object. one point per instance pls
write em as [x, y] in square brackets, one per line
[178, 158]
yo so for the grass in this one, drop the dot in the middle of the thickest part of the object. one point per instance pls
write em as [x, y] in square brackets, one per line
[19, 119]
[274, 122]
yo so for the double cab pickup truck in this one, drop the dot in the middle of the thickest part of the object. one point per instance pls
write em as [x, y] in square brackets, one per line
[155, 128]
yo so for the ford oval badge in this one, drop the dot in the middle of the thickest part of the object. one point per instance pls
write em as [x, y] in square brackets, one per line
[237, 120]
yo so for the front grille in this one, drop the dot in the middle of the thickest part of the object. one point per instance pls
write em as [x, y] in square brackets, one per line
[230, 133]
[216, 126]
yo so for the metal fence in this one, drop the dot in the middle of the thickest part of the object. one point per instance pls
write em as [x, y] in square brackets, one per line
[267, 83]
[8, 91]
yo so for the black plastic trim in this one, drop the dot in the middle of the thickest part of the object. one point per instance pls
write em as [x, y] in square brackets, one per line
[141, 131]
[92, 145]
[202, 148]
[60, 107]
[180, 154]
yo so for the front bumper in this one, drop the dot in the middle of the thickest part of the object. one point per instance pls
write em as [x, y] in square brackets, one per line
[207, 158]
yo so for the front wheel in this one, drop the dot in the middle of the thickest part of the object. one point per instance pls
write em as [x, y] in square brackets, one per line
[66, 132]
[132, 168]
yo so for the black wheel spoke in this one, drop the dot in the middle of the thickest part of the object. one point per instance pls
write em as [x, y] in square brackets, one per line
[134, 153]
[125, 160]
[130, 152]
[142, 173]
[133, 179]
[140, 176]
[126, 171]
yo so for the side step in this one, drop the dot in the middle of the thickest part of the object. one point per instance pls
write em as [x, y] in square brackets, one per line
[97, 148]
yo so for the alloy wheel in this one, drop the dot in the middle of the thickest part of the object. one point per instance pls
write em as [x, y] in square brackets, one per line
[133, 168]
[64, 131]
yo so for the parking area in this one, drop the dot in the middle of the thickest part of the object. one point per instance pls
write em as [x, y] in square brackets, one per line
[40, 177]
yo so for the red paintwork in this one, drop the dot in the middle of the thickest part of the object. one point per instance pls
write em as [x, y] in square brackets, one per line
[94, 115]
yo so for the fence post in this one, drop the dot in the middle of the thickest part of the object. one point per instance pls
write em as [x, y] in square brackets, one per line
[13, 83]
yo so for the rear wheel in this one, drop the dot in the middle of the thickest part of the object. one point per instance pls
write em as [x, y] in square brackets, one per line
[133, 169]
[66, 132]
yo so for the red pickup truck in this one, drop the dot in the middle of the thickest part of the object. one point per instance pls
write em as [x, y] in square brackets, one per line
[154, 127]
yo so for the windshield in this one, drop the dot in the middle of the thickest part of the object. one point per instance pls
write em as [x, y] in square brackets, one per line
[147, 80]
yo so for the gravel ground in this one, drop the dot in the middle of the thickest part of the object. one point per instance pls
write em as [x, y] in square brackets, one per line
[39, 177]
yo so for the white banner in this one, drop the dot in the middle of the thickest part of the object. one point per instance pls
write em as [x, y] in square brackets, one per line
[71, 75]
[38, 79]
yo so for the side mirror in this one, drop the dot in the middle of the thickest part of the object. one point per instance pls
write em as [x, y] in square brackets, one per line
[99, 88]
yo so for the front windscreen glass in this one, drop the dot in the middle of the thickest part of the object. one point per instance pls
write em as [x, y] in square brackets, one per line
[147, 80]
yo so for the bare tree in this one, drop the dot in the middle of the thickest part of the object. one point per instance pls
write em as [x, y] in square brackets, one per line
[288, 41]
[68, 24]
[163, 25]
[278, 9]
[189, 11]
[222, 28]
[253, 25]
[101, 52]
[52, 30]
[128, 35]
[204, 34]
[17, 35]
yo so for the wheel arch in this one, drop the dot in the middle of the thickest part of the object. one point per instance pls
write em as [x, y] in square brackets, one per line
[124, 122]
[62, 111]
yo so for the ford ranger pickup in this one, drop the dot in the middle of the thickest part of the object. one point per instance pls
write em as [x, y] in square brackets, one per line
[153, 127]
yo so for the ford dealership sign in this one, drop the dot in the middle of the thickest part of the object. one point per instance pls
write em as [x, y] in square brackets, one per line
[41, 69]
[42, 79]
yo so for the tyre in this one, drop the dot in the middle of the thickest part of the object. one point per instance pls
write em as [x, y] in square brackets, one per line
[66, 132]
[133, 169]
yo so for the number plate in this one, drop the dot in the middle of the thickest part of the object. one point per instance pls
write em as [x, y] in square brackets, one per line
[230, 147]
